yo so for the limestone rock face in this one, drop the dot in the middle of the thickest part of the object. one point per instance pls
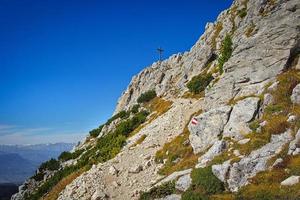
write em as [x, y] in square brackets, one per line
[217, 148]
[242, 113]
[209, 128]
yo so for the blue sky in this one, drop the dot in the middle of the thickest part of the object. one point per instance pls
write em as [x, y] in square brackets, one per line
[64, 64]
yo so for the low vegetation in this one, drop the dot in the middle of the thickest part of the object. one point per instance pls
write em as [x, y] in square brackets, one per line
[159, 191]
[226, 51]
[242, 13]
[95, 132]
[204, 184]
[199, 82]
[146, 96]
[51, 164]
[204, 178]
[266, 185]
[64, 156]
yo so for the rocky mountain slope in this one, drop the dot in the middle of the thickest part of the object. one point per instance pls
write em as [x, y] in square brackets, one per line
[218, 122]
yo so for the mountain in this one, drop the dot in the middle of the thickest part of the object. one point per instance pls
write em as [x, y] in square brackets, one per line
[19, 162]
[220, 121]
[37, 153]
[14, 168]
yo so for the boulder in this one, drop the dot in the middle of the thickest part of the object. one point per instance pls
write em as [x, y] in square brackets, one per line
[113, 171]
[244, 141]
[135, 169]
[214, 151]
[292, 180]
[243, 112]
[99, 195]
[171, 197]
[221, 171]
[183, 183]
[209, 128]
[294, 147]
[174, 176]
[295, 98]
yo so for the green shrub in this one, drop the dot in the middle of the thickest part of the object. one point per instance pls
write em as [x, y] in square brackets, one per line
[51, 164]
[226, 51]
[135, 108]
[192, 195]
[254, 125]
[38, 176]
[204, 178]
[242, 13]
[64, 156]
[122, 114]
[199, 83]
[159, 191]
[146, 96]
[95, 132]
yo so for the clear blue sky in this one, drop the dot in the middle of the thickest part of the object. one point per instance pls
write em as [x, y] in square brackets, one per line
[63, 64]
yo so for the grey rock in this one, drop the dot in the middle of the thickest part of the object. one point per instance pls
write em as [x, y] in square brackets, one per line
[171, 197]
[135, 169]
[174, 176]
[256, 162]
[209, 128]
[183, 183]
[242, 113]
[99, 195]
[292, 180]
[113, 170]
[295, 98]
[292, 118]
[294, 146]
[217, 148]
[221, 171]
[244, 141]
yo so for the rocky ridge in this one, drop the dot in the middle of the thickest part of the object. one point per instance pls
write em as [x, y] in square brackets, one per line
[247, 117]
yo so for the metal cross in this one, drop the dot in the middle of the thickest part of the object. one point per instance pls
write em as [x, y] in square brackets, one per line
[160, 51]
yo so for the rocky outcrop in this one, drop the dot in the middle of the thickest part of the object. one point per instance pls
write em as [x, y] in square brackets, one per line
[209, 128]
[262, 49]
[214, 151]
[249, 166]
[242, 113]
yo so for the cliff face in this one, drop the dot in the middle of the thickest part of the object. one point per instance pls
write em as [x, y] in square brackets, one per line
[245, 130]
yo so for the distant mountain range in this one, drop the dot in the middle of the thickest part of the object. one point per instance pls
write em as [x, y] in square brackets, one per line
[18, 162]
